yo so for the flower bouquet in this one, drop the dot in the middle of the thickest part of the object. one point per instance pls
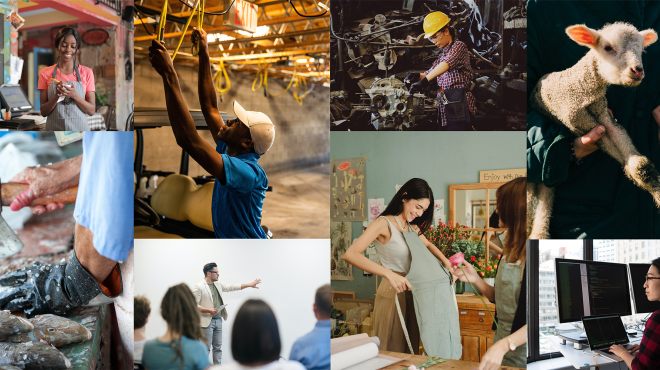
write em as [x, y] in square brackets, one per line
[445, 234]
[489, 269]
[458, 259]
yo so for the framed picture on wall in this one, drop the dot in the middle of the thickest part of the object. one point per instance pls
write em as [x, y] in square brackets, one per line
[348, 183]
[340, 240]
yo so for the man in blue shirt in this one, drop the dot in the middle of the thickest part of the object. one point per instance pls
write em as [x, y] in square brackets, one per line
[313, 349]
[240, 182]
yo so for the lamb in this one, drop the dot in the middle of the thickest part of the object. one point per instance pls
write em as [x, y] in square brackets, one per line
[575, 98]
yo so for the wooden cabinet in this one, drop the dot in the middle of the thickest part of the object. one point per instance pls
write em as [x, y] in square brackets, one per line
[475, 322]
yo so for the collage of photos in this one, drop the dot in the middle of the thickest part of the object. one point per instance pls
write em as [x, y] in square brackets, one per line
[473, 219]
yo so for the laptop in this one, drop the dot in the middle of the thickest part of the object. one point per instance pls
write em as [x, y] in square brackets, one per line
[604, 331]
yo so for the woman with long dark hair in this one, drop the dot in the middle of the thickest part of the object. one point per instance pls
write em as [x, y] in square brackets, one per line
[255, 340]
[646, 355]
[398, 234]
[183, 346]
[70, 81]
[509, 294]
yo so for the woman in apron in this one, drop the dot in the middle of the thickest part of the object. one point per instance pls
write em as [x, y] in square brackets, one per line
[426, 302]
[452, 69]
[509, 294]
[69, 81]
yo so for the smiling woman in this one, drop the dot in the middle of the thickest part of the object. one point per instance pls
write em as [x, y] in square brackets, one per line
[67, 88]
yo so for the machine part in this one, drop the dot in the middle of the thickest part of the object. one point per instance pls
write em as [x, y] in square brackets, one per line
[393, 105]
[408, 5]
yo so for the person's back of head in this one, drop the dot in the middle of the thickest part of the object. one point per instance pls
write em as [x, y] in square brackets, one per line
[512, 211]
[179, 309]
[142, 307]
[323, 302]
[255, 336]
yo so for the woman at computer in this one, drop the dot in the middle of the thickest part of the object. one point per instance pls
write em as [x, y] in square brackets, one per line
[509, 294]
[395, 233]
[69, 81]
[646, 355]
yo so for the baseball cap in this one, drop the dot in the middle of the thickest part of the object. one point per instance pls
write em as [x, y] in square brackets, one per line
[261, 128]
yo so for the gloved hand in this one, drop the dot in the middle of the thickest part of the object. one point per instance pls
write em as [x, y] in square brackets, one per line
[57, 288]
[420, 86]
[411, 77]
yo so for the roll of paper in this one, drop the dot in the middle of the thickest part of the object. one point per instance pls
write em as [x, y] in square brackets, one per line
[353, 356]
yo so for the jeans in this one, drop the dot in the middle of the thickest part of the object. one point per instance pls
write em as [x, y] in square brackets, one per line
[214, 339]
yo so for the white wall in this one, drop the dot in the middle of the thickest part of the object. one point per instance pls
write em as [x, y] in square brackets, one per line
[290, 271]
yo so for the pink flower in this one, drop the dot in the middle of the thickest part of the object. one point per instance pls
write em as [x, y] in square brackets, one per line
[457, 259]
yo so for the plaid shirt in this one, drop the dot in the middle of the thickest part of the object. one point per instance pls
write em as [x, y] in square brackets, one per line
[458, 75]
[648, 356]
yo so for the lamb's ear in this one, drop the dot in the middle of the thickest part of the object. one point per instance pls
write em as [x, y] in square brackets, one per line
[583, 35]
[650, 36]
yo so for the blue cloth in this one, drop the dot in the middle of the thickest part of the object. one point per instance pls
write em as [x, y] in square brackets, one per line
[313, 349]
[158, 355]
[105, 192]
[214, 339]
[237, 204]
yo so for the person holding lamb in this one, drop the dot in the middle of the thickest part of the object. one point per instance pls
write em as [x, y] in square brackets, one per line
[594, 197]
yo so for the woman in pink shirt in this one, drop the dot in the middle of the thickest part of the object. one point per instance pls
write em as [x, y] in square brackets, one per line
[67, 88]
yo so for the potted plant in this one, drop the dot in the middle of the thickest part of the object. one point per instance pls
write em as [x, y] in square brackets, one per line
[488, 270]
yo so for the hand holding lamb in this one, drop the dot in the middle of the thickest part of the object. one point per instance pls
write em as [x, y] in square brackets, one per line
[575, 98]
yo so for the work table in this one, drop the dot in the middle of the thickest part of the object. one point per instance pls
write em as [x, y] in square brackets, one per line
[449, 364]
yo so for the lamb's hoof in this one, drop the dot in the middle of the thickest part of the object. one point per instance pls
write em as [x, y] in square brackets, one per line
[641, 169]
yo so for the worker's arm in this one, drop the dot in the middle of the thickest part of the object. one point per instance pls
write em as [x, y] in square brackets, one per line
[181, 121]
[208, 100]
[46, 107]
[441, 68]
[354, 255]
[197, 293]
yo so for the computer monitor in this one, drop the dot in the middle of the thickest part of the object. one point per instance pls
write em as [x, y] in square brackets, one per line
[638, 273]
[14, 99]
[590, 288]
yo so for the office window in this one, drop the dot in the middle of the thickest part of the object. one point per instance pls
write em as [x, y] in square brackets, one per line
[548, 251]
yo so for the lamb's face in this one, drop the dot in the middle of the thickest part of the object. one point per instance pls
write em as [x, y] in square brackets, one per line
[619, 47]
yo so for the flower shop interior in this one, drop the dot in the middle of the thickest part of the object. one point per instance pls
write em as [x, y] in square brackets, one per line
[463, 170]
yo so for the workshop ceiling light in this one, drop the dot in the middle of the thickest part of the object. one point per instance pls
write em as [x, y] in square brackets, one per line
[301, 60]
[213, 37]
[261, 31]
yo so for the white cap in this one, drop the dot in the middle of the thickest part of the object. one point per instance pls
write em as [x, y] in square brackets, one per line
[261, 128]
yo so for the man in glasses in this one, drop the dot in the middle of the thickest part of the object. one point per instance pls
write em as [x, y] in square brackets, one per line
[240, 182]
[208, 294]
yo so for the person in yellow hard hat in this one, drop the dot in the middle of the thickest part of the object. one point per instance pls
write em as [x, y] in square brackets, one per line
[452, 70]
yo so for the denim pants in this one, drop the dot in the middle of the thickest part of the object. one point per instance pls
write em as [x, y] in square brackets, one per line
[214, 339]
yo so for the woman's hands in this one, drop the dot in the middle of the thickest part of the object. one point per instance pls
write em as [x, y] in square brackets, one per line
[469, 270]
[398, 282]
[618, 349]
[65, 90]
[492, 360]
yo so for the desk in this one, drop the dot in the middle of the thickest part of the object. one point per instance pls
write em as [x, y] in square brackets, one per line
[449, 364]
[583, 358]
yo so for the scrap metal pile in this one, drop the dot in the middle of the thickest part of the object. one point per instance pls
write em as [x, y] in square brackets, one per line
[374, 44]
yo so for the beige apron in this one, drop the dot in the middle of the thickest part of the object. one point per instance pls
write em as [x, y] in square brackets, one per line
[507, 292]
[66, 116]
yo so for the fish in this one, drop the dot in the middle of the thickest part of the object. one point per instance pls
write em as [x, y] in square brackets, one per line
[33, 356]
[55, 330]
[13, 325]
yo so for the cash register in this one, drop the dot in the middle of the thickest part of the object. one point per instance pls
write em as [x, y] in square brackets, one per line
[15, 101]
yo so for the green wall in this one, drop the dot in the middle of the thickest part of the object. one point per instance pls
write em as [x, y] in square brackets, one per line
[440, 158]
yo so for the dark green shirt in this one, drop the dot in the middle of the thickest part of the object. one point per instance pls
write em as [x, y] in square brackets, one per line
[217, 300]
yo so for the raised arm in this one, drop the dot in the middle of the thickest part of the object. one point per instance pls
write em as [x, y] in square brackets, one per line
[354, 255]
[252, 284]
[181, 121]
[208, 100]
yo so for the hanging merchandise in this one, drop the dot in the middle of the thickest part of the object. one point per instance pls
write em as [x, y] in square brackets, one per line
[16, 20]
